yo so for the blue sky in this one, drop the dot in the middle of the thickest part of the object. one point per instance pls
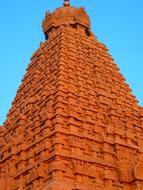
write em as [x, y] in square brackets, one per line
[116, 23]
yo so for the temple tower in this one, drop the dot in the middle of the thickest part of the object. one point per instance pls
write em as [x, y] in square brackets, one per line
[74, 123]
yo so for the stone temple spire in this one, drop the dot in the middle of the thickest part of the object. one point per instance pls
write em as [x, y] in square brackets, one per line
[74, 123]
[66, 3]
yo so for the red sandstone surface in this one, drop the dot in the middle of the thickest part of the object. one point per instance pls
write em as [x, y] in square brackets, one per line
[74, 123]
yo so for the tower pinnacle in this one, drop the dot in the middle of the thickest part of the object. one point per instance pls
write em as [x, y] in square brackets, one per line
[66, 3]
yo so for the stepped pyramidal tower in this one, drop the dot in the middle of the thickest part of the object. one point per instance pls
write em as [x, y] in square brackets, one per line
[74, 123]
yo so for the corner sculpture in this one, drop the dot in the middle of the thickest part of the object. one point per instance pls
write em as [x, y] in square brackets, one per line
[74, 123]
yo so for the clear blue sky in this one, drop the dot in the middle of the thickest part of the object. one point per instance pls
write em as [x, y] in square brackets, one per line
[116, 23]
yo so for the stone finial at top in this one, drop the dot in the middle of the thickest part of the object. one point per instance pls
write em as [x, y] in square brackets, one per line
[66, 3]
